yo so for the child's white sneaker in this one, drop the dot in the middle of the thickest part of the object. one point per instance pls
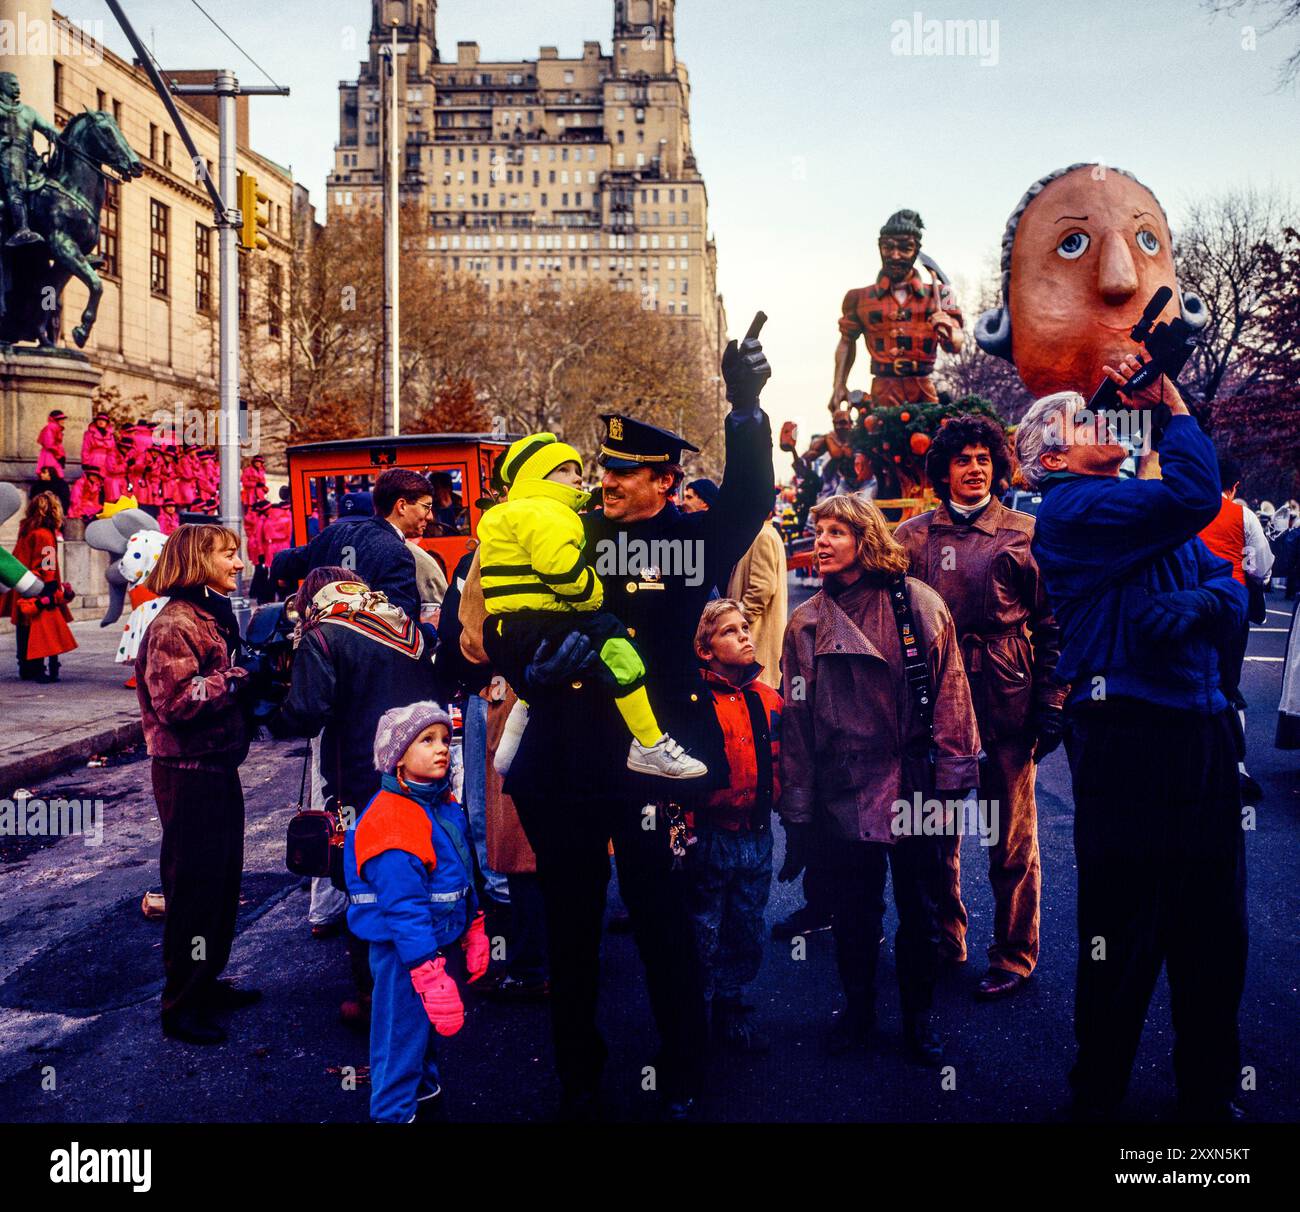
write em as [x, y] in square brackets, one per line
[511, 735]
[666, 758]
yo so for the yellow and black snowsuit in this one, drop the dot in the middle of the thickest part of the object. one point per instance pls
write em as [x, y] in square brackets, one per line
[537, 581]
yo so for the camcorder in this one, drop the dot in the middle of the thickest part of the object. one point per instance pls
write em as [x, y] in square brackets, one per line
[1168, 345]
[268, 657]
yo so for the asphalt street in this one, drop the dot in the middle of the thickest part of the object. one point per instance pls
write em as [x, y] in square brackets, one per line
[80, 972]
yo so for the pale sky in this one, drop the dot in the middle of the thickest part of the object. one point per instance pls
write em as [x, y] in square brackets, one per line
[810, 129]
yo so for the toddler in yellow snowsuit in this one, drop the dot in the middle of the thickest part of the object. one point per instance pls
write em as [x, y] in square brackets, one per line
[538, 582]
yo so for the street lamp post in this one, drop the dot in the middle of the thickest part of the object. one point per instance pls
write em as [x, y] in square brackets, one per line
[392, 243]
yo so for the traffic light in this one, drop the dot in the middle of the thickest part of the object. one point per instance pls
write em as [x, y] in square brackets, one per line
[250, 200]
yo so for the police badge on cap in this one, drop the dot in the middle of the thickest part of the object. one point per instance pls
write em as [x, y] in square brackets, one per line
[629, 444]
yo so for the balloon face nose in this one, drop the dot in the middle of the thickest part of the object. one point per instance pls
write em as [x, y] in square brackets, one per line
[1117, 279]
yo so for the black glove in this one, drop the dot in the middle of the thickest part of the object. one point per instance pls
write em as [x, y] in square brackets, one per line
[745, 368]
[1049, 728]
[552, 667]
[1169, 617]
[798, 847]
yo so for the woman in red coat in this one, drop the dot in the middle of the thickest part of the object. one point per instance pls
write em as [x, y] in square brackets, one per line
[41, 622]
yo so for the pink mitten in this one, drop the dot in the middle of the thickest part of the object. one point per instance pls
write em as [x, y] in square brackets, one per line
[477, 948]
[440, 996]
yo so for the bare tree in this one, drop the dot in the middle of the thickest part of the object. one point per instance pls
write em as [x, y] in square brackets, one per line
[972, 372]
[1220, 252]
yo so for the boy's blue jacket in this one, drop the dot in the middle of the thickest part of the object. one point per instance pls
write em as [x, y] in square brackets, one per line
[415, 884]
[1105, 544]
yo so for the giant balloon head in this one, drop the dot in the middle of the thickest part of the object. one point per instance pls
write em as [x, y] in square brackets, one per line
[1082, 254]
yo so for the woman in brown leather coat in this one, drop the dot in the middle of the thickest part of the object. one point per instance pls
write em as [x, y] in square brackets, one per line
[189, 684]
[856, 750]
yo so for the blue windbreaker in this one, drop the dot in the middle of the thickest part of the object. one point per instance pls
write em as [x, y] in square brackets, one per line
[1104, 544]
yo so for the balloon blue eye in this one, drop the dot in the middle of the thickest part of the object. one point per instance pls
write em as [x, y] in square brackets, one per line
[1073, 246]
[1148, 242]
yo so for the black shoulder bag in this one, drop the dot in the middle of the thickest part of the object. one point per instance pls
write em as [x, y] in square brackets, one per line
[314, 845]
[920, 770]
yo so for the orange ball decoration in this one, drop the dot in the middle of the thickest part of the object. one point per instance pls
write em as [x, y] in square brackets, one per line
[905, 417]
[871, 424]
[920, 443]
[898, 458]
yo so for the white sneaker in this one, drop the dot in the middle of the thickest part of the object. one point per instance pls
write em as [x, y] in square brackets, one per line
[513, 733]
[666, 758]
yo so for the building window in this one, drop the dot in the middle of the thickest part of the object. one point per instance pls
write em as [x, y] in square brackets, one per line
[109, 223]
[167, 149]
[202, 269]
[101, 100]
[274, 300]
[117, 112]
[58, 83]
[153, 142]
[158, 218]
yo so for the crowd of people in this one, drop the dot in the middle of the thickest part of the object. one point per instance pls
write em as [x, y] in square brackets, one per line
[663, 714]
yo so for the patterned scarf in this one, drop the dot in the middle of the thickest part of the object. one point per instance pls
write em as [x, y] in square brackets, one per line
[351, 604]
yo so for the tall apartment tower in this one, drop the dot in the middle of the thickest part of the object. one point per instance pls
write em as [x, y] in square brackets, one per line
[566, 170]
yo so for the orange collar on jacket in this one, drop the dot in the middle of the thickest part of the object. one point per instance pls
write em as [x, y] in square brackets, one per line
[393, 822]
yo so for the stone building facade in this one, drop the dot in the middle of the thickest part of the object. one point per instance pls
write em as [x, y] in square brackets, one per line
[573, 171]
[156, 334]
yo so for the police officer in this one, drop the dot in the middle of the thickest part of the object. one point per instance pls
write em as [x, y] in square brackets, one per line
[569, 779]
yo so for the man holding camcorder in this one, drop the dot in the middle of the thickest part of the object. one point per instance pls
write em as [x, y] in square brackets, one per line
[1144, 609]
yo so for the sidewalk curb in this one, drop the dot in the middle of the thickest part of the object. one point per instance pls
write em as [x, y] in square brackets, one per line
[32, 768]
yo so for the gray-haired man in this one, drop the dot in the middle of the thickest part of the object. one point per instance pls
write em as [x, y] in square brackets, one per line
[1143, 609]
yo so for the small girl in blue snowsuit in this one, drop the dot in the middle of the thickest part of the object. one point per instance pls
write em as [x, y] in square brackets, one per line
[411, 896]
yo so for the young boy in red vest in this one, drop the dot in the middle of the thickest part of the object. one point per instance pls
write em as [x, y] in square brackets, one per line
[729, 866]
[411, 893]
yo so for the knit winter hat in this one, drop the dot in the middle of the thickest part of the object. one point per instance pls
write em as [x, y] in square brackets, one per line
[706, 490]
[903, 223]
[398, 729]
[535, 457]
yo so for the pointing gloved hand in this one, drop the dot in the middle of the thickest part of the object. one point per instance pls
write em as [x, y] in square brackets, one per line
[745, 368]
[1049, 728]
[552, 666]
[1169, 617]
[798, 846]
[478, 951]
[440, 996]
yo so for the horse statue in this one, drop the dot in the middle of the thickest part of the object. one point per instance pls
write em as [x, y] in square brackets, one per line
[64, 202]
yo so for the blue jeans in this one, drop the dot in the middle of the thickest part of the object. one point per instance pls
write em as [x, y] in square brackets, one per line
[729, 877]
[475, 749]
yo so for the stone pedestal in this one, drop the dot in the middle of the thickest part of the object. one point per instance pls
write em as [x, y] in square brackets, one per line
[34, 382]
